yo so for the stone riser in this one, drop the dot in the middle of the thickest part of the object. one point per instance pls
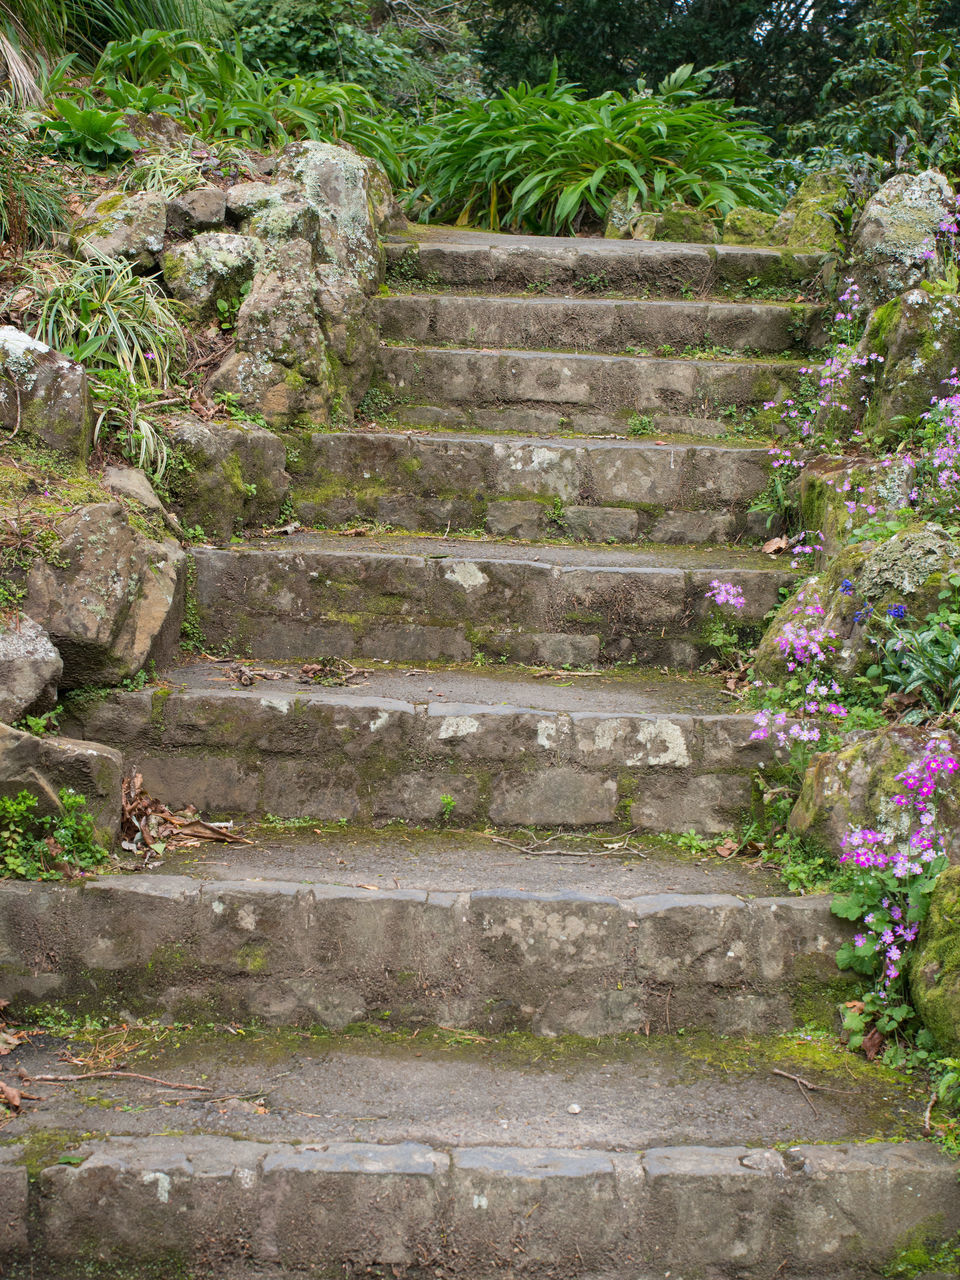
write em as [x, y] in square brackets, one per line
[587, 324]
[331, 755]
[610, 491]
[729, 1212]
[557, 266]
[495, 960]
[441, 375]
[309, 603]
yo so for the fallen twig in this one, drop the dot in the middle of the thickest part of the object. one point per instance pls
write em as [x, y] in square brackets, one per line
[121, 1075]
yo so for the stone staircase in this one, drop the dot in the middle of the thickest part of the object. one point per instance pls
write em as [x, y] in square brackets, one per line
[550, 438]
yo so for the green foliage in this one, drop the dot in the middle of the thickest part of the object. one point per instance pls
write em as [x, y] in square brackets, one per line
[898, 98]
[541, 160]
[39, 725]
[219, 96]
[120, 401]
[101, 314]
[31, 187]
[924, 657]
[48, 848]
[94, 137]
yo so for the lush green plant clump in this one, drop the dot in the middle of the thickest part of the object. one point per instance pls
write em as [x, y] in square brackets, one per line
[544, 160]
[54, 847]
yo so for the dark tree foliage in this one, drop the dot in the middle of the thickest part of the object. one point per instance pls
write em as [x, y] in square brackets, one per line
[781, 54]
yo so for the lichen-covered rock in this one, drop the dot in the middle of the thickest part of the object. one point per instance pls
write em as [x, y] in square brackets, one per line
[838, 495]
[935, 966]
[855, 786]
[336, 185]
[213, 267]
[917, 336]
[749, 226]
[910, 569]
[899, 223]
[43, 394]
[111, 598]
[201, 209]
[131, 482]
[30, 668]
[244, 199]
[350, 325]
[626, 220]
[233, 476]
[684, 225]
[387, 211]
[130, 228]
[43, 765]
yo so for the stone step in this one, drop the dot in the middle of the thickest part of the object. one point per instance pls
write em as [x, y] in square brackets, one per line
[610, 325]
[211, 1202]
[534, 487]
[504, 749]
[441, 257]
[413, 599]
[311, 951]
[568, 383]
[518, 420]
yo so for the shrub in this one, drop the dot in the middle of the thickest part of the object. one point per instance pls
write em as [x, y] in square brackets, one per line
[61, 844]
[96, 138]
[541, 160]
[101, 314]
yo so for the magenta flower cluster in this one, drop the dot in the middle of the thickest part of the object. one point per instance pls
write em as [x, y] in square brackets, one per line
[722, 593]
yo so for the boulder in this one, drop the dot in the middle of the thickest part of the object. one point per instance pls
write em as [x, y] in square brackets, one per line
[855, 785]
[682, 224]
[626, 220]
[111, 598]
[899, 224]
[211, 268]
[749, 226]
[807, 220]
[132, 483]
[838, 495]
[233, 476]
[43, 765]
[130, 228]
[245, 199]
[909, 568]
[917, 337]
[337, 185]
[30, 668]
[202, 209]
[387, 211]
[350, 324]
[44, 394]
[935, 964]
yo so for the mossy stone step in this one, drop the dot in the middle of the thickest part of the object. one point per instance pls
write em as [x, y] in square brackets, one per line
[573, 383]
[596, 324]
[579, 753]
[440, 257]
[597, 491]
[408, 598]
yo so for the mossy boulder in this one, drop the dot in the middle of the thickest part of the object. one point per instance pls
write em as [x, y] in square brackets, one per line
[839, 495]
[211, 268]
[44, 395]
[897, 227]
[807, 221]
[917, 337]
[935, 967]
[909, 569]
[750, 226]
[227, 477]
[681, 224]
[626, 219]
[855, 786]
[130, 228]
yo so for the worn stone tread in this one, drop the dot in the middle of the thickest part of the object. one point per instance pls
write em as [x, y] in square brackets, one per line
[619, 865]
[633, 1094]
[518, 420]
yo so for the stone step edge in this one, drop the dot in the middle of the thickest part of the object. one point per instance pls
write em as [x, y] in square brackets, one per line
[774, 363]
[208, 1199]
[551, 963]
[517, 439]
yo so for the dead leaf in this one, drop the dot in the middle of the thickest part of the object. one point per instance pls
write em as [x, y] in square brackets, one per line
[727, 848]
[873, 1043]
[856, 1005]
[10, 1096]
[352, 533]
[368, 886]
[774, 546]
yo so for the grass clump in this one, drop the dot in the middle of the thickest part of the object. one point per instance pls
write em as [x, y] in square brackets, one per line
[56, 847]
